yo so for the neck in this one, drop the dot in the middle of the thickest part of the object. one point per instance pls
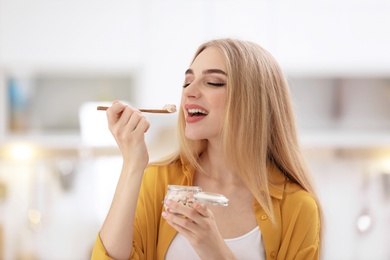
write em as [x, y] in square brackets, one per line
[215, 165]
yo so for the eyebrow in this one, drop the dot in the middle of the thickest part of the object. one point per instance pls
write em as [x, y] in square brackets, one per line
[209, 71]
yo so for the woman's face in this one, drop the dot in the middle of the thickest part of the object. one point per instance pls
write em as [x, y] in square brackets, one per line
[204, 95]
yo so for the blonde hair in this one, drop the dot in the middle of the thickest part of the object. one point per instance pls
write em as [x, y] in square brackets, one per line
[259, 127]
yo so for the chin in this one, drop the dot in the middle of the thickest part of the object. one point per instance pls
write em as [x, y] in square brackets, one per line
[194, 136]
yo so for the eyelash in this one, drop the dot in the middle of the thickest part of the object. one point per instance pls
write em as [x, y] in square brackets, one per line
[216, 84]
[209, 83]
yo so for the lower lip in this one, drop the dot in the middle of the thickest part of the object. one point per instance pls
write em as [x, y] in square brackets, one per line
[194, 119]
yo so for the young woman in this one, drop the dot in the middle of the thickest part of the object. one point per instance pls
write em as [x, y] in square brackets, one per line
[237, 138]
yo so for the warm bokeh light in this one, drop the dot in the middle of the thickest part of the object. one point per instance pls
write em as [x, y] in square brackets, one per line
[21, 151]
[34, 216]
[364, 223]
[385, 165]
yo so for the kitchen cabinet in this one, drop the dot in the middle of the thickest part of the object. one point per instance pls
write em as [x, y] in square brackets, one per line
[45, 103]
[342, 112]
[331, 112]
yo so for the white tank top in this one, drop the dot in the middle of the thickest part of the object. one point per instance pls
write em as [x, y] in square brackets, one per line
[248, 246]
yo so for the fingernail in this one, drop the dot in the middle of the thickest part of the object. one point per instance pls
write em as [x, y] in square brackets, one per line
[164, 214]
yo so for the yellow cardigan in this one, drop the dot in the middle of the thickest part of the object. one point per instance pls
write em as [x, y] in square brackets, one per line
[296, 237]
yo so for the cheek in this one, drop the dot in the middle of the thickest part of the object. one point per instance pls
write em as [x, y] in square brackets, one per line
[219, 102]
[182, 102]
[220, 109]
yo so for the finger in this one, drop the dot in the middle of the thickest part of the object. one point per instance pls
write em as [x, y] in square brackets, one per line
[146, 125]
[178, 207]
[115, 111]
[185, 231]
[195, 215]
[125, 117]
[137, 123]
[201, 209]
[142, 126]
[180, 222]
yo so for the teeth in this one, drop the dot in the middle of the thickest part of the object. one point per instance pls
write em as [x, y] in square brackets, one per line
[196, 111]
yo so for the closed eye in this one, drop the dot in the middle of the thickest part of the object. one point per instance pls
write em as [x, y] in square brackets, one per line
[216, 84]
[209, 83]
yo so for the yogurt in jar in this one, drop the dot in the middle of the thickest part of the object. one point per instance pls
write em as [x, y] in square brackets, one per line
[182, 194]
[187, 195]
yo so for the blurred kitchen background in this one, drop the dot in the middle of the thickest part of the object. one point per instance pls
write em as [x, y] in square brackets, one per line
[59, 59]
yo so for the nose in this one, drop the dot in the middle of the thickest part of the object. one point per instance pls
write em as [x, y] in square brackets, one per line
[192, 91]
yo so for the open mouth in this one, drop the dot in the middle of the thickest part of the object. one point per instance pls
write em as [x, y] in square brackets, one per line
[197, 112]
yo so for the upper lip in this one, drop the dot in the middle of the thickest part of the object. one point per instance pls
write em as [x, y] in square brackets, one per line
[187, 107]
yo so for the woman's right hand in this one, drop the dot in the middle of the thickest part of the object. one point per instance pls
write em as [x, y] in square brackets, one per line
[128, 126]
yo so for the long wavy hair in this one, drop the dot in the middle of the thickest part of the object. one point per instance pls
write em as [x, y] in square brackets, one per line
[259, 127]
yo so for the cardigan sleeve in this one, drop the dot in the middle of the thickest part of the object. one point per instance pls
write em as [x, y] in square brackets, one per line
[147, 216]
[146, 221]
[99, 252]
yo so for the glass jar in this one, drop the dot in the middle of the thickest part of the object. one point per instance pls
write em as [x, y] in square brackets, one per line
[187, 195]
[182, 194]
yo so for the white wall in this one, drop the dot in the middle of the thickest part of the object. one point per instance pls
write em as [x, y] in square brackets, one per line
[68, 34]
[158, 38]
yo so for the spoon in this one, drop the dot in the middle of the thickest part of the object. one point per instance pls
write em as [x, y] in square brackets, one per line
[169, 108]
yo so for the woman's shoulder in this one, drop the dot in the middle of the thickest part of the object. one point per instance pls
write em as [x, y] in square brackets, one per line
[298, 199]
[169, 173]
[291, 194]
[171, 167]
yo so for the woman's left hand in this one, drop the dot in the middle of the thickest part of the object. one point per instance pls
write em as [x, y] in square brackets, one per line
[197, 224]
